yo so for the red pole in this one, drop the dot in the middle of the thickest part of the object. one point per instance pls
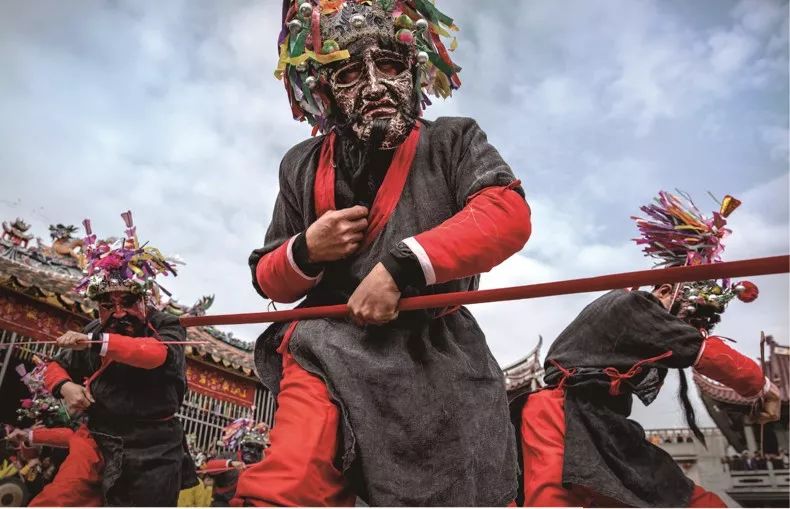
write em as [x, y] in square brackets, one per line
[741, 268]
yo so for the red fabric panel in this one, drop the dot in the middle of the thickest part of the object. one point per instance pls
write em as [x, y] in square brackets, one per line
[78, 481]
[53, 437]
[54, 374]
[702, 498]
[724, 364]
[146, 353]
[543, 447]
[389, 193]
[278, 278]
[324, 190]
[391, 188]
[298, 468]
[494, 225]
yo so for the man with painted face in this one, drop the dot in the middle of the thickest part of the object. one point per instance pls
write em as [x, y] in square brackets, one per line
[579, 448]
[245, 441]
[398, 409]
[128, 383]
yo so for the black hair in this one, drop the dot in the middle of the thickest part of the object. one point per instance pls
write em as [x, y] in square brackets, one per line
[688, 409]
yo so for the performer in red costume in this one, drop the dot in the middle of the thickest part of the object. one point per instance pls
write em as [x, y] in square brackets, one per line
[579, 448]
[245, 440]
[405, 409]
[131, 451]
[78, 478]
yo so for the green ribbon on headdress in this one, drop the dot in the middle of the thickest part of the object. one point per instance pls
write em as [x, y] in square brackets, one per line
[432, 13]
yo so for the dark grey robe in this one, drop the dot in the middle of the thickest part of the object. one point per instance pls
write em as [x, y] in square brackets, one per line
[425, 415]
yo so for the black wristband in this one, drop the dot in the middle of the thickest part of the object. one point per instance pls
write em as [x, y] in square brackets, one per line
[302, 259]
[56, 389]
[404, 267]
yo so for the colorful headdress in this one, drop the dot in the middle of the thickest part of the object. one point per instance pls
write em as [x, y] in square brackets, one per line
[678, 234]
[124, 265]
[318, 32]
[245, 431]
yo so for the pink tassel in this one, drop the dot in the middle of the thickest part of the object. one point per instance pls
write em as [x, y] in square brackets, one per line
[127, 218]
[87, 224]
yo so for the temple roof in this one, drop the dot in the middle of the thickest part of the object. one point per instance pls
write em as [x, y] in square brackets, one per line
[525, 371]
[48, 274]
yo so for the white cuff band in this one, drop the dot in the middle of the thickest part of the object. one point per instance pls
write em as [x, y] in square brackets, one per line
[422, 257]
[105, 343]
[293, 264]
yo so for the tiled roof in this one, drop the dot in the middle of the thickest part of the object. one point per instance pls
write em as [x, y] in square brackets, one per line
[526, 371]
[50, 279]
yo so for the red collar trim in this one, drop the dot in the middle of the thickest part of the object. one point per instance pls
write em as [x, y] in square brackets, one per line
[389, 194]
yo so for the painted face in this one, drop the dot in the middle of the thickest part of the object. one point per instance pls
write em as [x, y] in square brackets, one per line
[375, 84]
[122, 312]
[251, 453]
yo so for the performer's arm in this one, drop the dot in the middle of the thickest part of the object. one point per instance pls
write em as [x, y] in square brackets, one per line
[722, 363]
[55, 375]
[494, 225]
[216, 464]
[52, 437]
[144, 352]
[281, 277]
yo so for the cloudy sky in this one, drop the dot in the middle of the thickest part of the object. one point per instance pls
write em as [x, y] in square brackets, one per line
[170, 109]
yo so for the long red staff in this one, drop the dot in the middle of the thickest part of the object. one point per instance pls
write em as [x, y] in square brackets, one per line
[741, 268]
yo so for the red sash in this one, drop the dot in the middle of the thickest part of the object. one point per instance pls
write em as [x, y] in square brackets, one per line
[388, 195]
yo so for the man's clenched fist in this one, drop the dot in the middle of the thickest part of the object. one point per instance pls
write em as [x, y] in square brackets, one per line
[77, 397]
[73, 341]
[337, 234]
[376, 298]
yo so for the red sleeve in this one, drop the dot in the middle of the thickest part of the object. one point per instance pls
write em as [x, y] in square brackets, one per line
[719, 361]
[279, 276]
[216, 464]
[494, 224]
[54, 375]
[146, 353]
[53, 437]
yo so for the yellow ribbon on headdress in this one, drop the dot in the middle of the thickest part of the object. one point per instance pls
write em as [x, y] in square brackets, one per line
[321, 58]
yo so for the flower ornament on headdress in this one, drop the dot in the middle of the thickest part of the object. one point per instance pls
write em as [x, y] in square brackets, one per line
[41, 405]
[678, 234]
[318, 32]
[123, 265]
[245, 431]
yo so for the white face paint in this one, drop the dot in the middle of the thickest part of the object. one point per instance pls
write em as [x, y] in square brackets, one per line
[375, 84]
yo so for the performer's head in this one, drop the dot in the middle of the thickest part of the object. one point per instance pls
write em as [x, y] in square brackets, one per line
[120, 278]
[679, 235]
[701, 315]
[246, 437]
[122, 312]
[251, 452]
[363, 68]
[373, 91]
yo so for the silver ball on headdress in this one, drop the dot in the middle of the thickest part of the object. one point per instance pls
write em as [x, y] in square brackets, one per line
[713, 298]
[357, 20]
[311, 82]
[740, 289]
[295, 26]
[302, 67]
[690, 309]
[421, 25]
[422, 57]
[305, 9]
